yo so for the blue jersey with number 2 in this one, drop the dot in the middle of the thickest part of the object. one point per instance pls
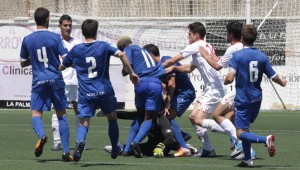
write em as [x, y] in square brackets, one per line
[91, 62]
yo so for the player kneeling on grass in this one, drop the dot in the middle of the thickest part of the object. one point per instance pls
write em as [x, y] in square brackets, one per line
[91, 62]
[160, 138]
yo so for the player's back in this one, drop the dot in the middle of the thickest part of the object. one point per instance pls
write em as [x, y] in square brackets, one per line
[225, 59]
[250, 64]
[142, 62]
[91, 62]
[182, 80]
[44, 47]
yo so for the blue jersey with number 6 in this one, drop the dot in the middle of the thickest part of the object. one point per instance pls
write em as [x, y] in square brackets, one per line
[43, 48]
[250, 65]
[91, 62]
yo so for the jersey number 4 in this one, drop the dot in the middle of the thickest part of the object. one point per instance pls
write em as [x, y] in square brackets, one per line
[42, 56]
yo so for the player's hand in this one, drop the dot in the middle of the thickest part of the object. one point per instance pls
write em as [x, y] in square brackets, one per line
[284, 81]
[169, 69]
[134, 78]
[203, 51]
[167, 112]
[158, 152]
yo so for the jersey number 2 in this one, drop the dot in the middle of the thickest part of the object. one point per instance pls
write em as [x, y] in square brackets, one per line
[92, 60]
[42, 56]
[253, 71]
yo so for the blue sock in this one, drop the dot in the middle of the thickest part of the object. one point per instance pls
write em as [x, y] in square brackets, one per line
[38, 126]
[135, 126]
[177, 133]
[113, 133]
[64, 132]
[81, 133]
[144, 129]
[247, 149]
[253, 138]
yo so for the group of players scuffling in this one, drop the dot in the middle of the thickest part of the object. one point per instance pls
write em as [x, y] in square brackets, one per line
[82, 68]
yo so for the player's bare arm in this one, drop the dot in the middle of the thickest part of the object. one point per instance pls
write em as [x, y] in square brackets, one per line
[170, 92]
[25, 63]
[282, 82]
[188, 68]
[211, 59]
[133, 77]
[61, 67]
[172, 60]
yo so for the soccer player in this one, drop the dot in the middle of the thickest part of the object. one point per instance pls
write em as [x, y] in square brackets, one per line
[213, 86]
[70, 78]
[148, 93]
[91, 62]
[41, 50]
[180, 94]
[224, 111]
[248, 66]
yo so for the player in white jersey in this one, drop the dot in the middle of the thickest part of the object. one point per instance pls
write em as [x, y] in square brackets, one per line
[224, 113]
[214, 90]
[70, 78]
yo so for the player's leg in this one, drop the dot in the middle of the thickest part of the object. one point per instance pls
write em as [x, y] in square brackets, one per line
[59, 101]
[55, 132]
[166, 129]
[153, 91]
[179, 104]
[109, 107]
[39, 101]
[202, 133]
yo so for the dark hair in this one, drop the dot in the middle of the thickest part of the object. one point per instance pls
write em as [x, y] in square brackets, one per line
[40, 16]
[152, 49]
[249, 34]
[197, 27]
[64, 17]
[235, 28]
[89, 28]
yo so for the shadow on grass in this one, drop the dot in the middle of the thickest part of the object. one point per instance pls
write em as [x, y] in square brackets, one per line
[103, 164]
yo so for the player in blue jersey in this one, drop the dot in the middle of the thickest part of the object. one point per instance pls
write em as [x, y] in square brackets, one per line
[148, 93]
[248, 66]
[41, 50]
[91, 62]
[180, 94]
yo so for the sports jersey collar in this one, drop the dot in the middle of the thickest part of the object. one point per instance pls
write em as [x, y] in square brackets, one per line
[252, 46]
[41, 30]
[90, 42]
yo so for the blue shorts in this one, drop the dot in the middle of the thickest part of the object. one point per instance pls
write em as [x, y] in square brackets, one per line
[41, 100]
[245, 116]
[107, 105]
[149, 94]
[182, 101]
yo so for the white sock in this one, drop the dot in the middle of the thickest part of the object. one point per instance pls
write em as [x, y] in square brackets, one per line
[212, 125]
[229, 128]
[55, 129]
[203, 136]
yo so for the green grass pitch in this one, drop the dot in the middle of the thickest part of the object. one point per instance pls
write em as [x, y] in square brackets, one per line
[17, 142]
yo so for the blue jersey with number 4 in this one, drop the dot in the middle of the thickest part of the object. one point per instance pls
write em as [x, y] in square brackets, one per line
[43, 48]
[91, 62]
[142, 63]
[250, 65]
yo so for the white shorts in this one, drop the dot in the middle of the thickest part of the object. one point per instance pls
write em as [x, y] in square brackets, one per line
[229, 98]
[210, 100]
[71, 92]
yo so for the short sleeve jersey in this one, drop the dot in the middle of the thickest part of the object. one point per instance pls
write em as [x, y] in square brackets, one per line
[44, 48]
[250, 65]
[91, 62]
